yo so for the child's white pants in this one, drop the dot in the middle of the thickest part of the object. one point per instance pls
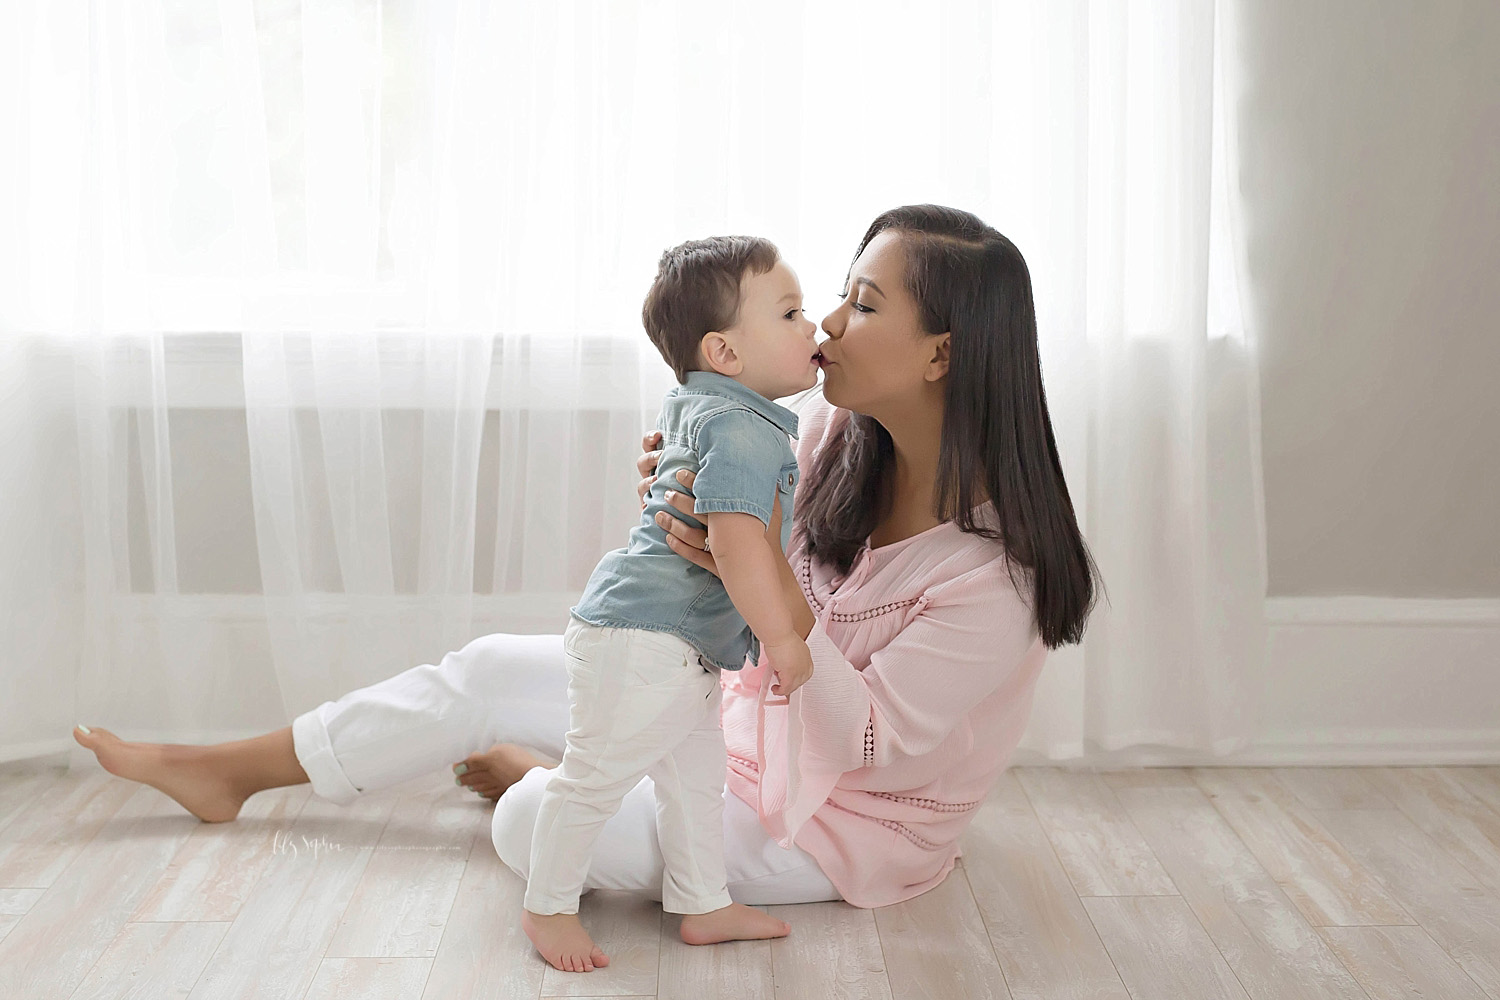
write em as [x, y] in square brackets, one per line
[642, 705]
[506, 688]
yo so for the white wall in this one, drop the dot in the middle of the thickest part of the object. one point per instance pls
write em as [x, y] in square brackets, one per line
[1369, 133]
[1369, 137]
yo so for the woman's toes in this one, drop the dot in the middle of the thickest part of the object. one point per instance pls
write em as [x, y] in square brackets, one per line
[92, 736]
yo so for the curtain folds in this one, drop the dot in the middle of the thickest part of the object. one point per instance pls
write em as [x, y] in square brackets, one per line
[321, 354]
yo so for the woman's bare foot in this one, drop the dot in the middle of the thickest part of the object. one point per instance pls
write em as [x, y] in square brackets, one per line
[735, 922]
[181, 771]
[562, 941]
[490, 772]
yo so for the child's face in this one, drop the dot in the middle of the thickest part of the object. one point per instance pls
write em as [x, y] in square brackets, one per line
[772, 341]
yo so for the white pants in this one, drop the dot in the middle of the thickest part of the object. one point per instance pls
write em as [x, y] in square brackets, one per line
[641, 706]
[504, 688]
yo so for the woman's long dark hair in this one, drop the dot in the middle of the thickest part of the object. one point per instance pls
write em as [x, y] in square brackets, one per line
[972, 282]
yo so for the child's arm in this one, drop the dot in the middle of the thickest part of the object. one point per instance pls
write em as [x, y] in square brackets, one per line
[747, 565]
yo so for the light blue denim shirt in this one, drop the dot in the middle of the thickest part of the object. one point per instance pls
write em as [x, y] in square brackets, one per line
[735, 439]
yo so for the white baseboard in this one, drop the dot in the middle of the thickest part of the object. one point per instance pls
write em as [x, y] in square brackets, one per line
[1352, 682]
[1384, 612]
[1374, 680]
[1347, 748]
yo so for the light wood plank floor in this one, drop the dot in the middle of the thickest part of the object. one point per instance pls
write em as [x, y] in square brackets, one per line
[1202, 883]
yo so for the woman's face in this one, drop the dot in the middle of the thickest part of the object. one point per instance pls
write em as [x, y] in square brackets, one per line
[877, 357]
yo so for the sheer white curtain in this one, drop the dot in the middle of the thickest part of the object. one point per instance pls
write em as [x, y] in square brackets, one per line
[321, 347]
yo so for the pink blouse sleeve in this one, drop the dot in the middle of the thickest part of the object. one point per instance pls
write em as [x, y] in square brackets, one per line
[953, 653]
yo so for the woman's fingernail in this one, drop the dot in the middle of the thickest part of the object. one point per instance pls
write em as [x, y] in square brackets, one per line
[661, 519]
[461, 769]
[86, 730]
[671, 494]
[682, 474]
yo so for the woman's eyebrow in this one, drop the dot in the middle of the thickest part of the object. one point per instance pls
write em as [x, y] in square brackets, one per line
[871, 285]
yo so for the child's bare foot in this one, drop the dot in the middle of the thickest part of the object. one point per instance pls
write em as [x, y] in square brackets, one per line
[562, 941]
[490, 772]
[180, 771]
[735, 922]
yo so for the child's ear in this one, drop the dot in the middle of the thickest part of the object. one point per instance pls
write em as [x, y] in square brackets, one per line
[719, 355]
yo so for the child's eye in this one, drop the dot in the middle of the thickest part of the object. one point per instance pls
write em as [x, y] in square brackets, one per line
[792, 312]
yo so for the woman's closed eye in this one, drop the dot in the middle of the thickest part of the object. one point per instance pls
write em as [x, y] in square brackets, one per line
[858, 305]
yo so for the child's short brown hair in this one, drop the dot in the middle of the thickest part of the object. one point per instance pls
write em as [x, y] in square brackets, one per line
[697, 290]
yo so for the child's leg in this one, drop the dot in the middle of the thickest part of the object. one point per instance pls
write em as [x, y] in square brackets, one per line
[689, 785]
[634, 694]
[690, 814]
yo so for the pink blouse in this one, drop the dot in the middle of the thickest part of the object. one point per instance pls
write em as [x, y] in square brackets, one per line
[925, 659]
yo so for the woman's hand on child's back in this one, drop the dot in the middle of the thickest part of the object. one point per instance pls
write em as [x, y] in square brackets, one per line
[646, 465]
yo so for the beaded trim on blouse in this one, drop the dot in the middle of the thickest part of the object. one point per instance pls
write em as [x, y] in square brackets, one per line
[932, 804]
[859, 616]
[891, 824]
[804, 577]
[752, 765]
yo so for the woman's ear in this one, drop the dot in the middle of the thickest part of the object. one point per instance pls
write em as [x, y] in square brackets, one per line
[938, 367]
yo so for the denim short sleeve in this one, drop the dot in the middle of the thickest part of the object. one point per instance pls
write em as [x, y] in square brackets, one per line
[740, 457]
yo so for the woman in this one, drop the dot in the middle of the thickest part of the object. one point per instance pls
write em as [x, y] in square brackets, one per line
[935, 559]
